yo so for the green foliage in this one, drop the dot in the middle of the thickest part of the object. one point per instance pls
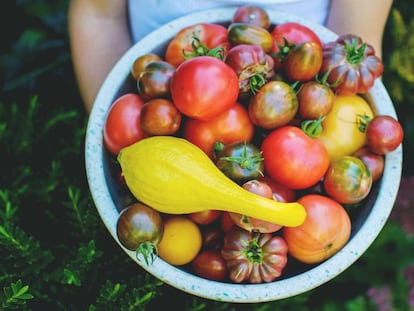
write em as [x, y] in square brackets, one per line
[14, 296]
[56, 253]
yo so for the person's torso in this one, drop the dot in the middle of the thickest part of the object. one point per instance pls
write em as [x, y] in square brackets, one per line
[148, 15]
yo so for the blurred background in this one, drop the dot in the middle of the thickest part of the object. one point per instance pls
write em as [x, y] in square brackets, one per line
[56, 253]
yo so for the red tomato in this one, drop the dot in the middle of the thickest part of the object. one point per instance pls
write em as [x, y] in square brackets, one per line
[160, 117]
[204, 87]
[384, 134]
[210, 36]
[210, 265]
[326, 229]
[122, 125]
[205, 217]
[294, 33]
[232, 126]
[250, 223]
[294, 159]
[226, 223]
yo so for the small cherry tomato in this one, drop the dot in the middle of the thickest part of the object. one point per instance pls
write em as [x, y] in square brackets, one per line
[226, 222]
[315, 100]
[252, 15]
[384, 134]
[140, 228]
[212, 237]
[348, 180]
[154, 80]
[122, 124]
[211, 265]
[303, 61]
[141, 62]
[374, 162]
[180, 242]
[326, 229]
[205, 217]
[160, 117]
[274, 105]
[244, 33]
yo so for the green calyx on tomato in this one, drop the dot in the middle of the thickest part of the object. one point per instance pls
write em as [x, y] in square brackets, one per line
[313, 128]
[200, 49]
[239, 161]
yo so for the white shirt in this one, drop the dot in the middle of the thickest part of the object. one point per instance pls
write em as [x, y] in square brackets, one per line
[148, 15]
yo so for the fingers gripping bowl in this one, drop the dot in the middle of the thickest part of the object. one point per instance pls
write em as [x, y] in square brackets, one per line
[108, 196]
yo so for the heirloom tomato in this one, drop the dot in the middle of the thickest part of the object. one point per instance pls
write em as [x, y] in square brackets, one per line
[196, 40]
[303, 61]
[204, 87]
[154, 80]
[374, 162]
[252, 65]
[294, 159]
[352, 65]
[240, 161]
[232, 126]
[212, 237]
[250, 223]
[141, 62]
[160, 117]
[344, 126]
[205, 217]
[384, 134]
[122, 124]
[315, 100]
[211, 265]
[347, 180]
[326, 229]
[281, 193]
[253, 15]
[253, 257]
[274, 105]
[288, 34]
[181, 241]
[140, 228]
[243, 33]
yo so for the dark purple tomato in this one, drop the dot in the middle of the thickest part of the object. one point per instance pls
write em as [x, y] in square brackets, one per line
[154, 80]
[140, 228]
[210, 265]
[252, 15]
[315, 100]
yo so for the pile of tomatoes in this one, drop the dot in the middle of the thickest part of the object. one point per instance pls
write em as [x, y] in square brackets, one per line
[281, 114]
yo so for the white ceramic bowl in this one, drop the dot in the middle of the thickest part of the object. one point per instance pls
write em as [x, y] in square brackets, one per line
[108, 199]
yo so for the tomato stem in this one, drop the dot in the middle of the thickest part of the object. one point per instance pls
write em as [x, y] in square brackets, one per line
[148, 251]
[200, 49]
[313, 128]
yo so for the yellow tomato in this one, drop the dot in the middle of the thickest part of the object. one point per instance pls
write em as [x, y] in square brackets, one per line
[343, 127]
[180, 242]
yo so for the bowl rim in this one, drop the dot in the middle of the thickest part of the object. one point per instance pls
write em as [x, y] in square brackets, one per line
[187, 282]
